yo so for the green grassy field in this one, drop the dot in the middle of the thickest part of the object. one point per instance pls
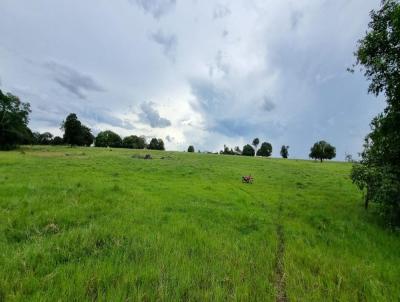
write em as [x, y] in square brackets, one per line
[82, 224]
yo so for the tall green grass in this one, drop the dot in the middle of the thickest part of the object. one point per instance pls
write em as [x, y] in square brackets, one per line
[90, 224]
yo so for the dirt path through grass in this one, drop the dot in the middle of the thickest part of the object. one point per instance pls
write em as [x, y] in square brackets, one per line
[280, 266]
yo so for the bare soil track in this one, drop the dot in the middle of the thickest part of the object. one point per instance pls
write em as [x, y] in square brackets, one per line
[280, 265]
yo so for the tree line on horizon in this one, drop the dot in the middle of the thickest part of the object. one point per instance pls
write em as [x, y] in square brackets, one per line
[319, 151]
[14, 131]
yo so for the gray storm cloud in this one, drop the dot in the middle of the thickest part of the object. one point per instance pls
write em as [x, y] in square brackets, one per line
[295, 19]
[221, 11]
[75, 82]
[268, 104]
[157, 8]
[150, 116]
[168, 42]
[103, 116]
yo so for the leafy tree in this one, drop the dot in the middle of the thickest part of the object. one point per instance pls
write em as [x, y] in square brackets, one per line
[227, 151]
[45, 138]
[348, 158]
[256, 141]
[285, 151]
[28, 138]
[72, 130]
[322, 150]
[108, 139]
[134, 142]
[191, 149]
[378, 55]
[156, 144]
[153, 145]
[161, 144]
[141, 143]
[237, 150]
[35, 138]
[248, 150]
[14, 118]
[87, 136]
[57, 141]
[265, 150]
[76, 134]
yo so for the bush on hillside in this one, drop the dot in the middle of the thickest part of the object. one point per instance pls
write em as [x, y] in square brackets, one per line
[108, 139]
[265, 150]
[248, 150]
[156, 144]
[134, 142]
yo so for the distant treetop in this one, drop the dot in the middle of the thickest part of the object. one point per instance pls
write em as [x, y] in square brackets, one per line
[322, 150]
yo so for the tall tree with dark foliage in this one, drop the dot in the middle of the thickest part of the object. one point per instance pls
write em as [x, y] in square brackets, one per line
[248, 150]
[76, 134]
[87, 136]
[265, 150]
[256, 141]
[378, 56]
[72, 130]
[156, 144]
[285, 151]
[14, 118]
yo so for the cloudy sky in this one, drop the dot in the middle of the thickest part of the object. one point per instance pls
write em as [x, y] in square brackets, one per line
[199, 72]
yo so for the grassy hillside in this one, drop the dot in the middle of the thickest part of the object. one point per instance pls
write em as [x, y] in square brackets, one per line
[96, 224]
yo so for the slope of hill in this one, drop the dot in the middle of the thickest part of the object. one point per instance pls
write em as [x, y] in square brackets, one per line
[98, 224]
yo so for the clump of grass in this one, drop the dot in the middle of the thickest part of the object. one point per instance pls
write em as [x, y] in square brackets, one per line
[2, 292]
[115, 188]
[300, 185]
[51, 228]
[140, 156]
